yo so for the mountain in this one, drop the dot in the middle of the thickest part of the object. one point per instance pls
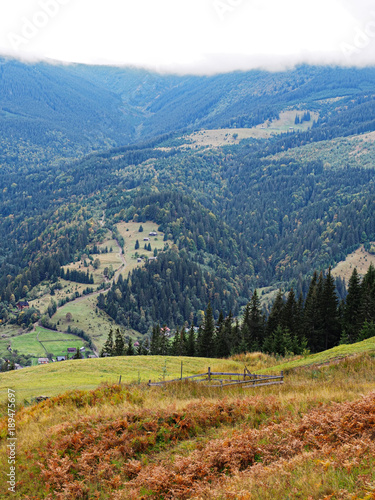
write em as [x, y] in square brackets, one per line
[263, 211]
[66, 111]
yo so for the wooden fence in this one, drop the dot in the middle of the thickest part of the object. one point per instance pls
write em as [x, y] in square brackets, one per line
[213, 379]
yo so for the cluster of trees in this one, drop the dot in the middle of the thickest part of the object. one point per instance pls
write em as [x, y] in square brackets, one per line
[306, 117]
[293, 325]
[171, 289]
[118, 345]
[77, 276]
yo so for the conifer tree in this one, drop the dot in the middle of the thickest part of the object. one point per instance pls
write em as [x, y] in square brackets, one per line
[256, 325]
[191, 342]
[289, 314]
[119, 345]
[367, 308]
[276, 313]
[207, 346]
[367, 331]
[352, 319]
[311, 313]
[108, 345]
[130, 351]
[155, 340]
[329, 311]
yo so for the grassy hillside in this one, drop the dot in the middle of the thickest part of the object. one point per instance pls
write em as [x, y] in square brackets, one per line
[86, 374]
[310, 438]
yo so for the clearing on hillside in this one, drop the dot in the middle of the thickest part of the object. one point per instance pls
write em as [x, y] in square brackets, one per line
[229, 136]
[359, 259]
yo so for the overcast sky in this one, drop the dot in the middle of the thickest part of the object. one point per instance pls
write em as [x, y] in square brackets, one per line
[196, 36]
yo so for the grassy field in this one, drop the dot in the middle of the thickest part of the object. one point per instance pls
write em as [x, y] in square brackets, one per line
[87, 317]
[89, 373]
[51, 380]
[311, 438]
[55, 343]
[130, 232]
[230, 136]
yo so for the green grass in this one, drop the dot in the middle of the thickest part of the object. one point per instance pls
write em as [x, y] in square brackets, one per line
[87, 317]
[57, 378]
[339, 352]
[53, 342]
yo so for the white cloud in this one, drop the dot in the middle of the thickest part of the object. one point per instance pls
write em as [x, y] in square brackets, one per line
[191, 35]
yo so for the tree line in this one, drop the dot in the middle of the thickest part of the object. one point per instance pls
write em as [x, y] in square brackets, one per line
[293, 325]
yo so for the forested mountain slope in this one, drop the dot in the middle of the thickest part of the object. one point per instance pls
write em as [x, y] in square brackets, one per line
[235, 218]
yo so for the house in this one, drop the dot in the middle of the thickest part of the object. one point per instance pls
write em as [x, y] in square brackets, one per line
[22, 305]
[17, 366]
[60, 358]
[146, 239]
[151, 258]
[139, 260]
[43, 361]
[72, 350]
[153, 233]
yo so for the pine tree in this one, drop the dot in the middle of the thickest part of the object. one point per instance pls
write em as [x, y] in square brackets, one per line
[191, 342]
[352, 308]
[119, 346]
[367, 331]
[367, 308]
[136, 245]
[310, 314]
[108, 345]
[256, 324]
[276, 314]
[289, 314]
[155, 340]
[207, 346]
[329, 311]
[130, 351]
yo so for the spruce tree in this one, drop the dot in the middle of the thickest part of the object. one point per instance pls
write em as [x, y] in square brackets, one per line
[310, 314]
[108, 345]
[276, 314]
[256, 324]
[119, 346]
[191, 342]
[155, 340]
[289, 314]
[130, 351]
[367, 308]
[329, 312]
[352, 319]
[207, 346]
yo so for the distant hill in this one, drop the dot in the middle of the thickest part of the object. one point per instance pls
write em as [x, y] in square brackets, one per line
[66, 111]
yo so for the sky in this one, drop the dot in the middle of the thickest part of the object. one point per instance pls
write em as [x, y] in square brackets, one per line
[191, 36]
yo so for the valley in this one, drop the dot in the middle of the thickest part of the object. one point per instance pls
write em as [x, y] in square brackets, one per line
[157, 225]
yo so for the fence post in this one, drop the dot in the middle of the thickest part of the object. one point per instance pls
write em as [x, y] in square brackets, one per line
[282, 375]
[209, 374]
[181, 369]
[244, 374]
[119, 382]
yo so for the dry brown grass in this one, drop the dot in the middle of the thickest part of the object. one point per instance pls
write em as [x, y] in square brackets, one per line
[308, 439]
[359, 259]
